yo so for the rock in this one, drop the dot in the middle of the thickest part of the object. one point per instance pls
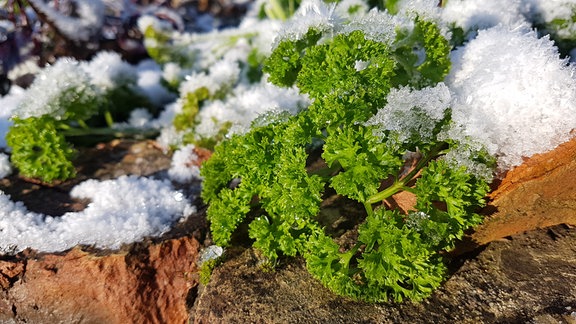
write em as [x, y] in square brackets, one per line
[147, 282]
[520, 280]
[150, 283]
[537, 194]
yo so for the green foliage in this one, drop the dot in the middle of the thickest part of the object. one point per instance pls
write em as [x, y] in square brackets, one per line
[39, 150]
[459, 193]
[206, 270]
[364, 159]
[262, 178]
[190, 108]
[71, 107]
[284, 63]
[422, 54]
[254, 64]
[346, 84]
[395, 261]
[162, 48]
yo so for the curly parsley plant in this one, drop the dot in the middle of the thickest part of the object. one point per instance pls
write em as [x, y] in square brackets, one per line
[377, 117]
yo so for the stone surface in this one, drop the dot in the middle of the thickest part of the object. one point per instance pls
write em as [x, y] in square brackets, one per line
[149, 283]
[526, 279]
[539, 193]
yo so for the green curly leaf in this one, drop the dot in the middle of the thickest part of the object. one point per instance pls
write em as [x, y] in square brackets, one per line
[39, 150]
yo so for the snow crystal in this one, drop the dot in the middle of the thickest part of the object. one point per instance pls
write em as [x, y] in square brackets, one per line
[147, 21]
[184, 166]
[351, 8]
[169, 136]
[425, 9]
[413, 112]
[89, 20]
[378, 26]
[513, 93]
[314, 14]
[465, 152]
[149, 76]
[107, 71]
[8, 105]
[173, 73]
[472, 15]
[360, 65]
[209, 253]
[63, 82]
[267, 31]
[221, 76]
[245, 104]
[5, 166]
[140, 118]
[29, 66]
[121, 211]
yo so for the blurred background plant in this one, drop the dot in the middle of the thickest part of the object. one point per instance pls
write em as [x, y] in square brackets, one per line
[34, 33]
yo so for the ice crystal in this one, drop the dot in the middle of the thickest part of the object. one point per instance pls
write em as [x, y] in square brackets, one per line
[413, 113]
[121, 211]
[512, 93]
[185, 165]
[57, 87]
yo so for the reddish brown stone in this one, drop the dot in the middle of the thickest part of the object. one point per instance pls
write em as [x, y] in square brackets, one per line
[539, 193]
[148, 284]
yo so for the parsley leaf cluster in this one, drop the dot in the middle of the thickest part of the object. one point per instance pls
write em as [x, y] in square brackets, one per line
[265, 179]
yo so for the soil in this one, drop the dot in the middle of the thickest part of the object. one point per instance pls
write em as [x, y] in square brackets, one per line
[525, 278]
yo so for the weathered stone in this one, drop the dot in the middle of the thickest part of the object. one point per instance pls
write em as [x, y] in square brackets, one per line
[520, 280]
[537, 194]
[150, 283]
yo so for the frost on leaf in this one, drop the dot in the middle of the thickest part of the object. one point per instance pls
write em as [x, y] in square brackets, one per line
[413, 114]
[62, 91]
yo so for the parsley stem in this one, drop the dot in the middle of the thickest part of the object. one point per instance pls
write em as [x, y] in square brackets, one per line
[82, 124]
[347, 256]
[118, 133]
[397, 186]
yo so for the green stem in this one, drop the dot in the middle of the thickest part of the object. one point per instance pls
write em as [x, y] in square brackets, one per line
[118, 133]
[109, 119]
[346, 257]
[397, 186]
[369, 209]
[275, 10]
[82, 124]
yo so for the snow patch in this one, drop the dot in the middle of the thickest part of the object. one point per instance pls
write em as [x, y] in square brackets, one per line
[513, 93]
[184, 166]
[121, 211]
